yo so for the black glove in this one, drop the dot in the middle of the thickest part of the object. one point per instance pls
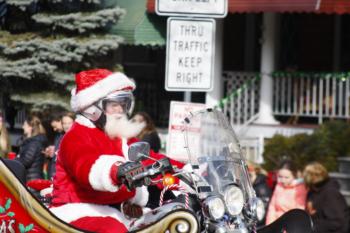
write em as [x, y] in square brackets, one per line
[127, 171]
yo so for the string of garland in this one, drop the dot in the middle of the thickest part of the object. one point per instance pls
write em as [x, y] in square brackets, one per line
[320, 75]
[236, 92]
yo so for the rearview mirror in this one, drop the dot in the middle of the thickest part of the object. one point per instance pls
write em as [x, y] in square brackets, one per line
[139, 151]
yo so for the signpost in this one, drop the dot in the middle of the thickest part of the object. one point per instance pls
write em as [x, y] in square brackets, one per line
[190, 60]
[190, 54]
[198, 8]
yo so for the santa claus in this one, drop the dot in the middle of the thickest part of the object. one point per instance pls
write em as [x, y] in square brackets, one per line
[93, 150]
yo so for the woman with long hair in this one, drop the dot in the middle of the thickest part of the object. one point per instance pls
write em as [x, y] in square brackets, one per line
[67, 120]
[5, 145]
[149, 133]
[30, 151]
[325, 203]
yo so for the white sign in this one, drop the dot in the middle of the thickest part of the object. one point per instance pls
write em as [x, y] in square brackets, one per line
[175, 147]
[190, 54]
[199, 8]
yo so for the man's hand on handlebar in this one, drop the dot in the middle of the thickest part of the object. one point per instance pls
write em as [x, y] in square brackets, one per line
[126, 173]
[135, 174]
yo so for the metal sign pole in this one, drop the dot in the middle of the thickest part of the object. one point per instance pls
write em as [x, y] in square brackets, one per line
[187, 96]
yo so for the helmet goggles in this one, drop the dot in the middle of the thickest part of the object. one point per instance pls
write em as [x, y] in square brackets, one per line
[118, 102]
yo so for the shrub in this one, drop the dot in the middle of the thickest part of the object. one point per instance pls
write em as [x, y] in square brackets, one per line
[329, 141]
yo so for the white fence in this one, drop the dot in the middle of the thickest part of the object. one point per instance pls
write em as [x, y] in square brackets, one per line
[312, 95]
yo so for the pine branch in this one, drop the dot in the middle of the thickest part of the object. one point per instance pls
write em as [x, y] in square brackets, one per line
[21, 4]
[26, 68]
[80, 22]
[63, 79]
[65, 50]
[40, 100]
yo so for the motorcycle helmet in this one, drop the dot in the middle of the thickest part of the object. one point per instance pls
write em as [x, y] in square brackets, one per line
[119, 102]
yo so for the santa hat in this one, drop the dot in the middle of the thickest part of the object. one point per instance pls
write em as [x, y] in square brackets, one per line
[92, 85]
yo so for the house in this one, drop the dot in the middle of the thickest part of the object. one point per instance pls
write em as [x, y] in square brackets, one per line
[281, 66]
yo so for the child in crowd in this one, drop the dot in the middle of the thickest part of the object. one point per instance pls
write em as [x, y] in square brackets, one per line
[290, 192]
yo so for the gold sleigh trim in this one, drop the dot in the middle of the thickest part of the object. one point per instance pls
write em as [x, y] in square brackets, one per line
[179, 221]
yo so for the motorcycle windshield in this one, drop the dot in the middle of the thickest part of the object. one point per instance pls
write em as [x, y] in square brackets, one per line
[215, 154]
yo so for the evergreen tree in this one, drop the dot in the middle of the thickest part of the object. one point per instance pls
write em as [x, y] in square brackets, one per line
[44, 42]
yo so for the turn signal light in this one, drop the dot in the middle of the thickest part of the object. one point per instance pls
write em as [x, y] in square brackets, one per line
[169, 179]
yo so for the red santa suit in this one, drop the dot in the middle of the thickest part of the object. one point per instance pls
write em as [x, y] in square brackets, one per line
[84, 185]
[83, 182]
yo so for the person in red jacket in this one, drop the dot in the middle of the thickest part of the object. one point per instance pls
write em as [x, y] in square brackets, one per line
[93, 151]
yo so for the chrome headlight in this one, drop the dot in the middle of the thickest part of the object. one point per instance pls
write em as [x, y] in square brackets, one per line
[234, 200]
[215, 207]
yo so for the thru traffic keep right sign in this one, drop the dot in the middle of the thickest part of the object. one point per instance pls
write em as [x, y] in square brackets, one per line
[190, 54]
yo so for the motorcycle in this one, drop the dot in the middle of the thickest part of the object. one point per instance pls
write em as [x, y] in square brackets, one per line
[215, 193]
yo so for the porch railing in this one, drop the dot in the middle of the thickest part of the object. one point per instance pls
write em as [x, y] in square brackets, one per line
[319, 95]
[241, 103]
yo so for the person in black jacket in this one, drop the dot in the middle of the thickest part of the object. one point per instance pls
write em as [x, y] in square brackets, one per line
[149, 134]
[262, 190]
[325, 203]
[30, 151]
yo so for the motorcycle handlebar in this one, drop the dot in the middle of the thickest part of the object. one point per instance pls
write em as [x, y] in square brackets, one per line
[144, 174]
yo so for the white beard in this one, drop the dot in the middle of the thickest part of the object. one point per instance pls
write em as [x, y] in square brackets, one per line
[118, 125]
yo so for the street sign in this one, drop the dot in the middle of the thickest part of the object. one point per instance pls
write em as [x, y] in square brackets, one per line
[198, 8]
[190, 54]
[175, 147]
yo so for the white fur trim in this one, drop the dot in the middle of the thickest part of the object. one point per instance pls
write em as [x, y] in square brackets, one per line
[141, 196]
[99, 176]
[73, 211]
[111, 83]
[84, 121]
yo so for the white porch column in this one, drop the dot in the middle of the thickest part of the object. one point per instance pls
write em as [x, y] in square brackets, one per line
[212, 98]
[266, 68]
